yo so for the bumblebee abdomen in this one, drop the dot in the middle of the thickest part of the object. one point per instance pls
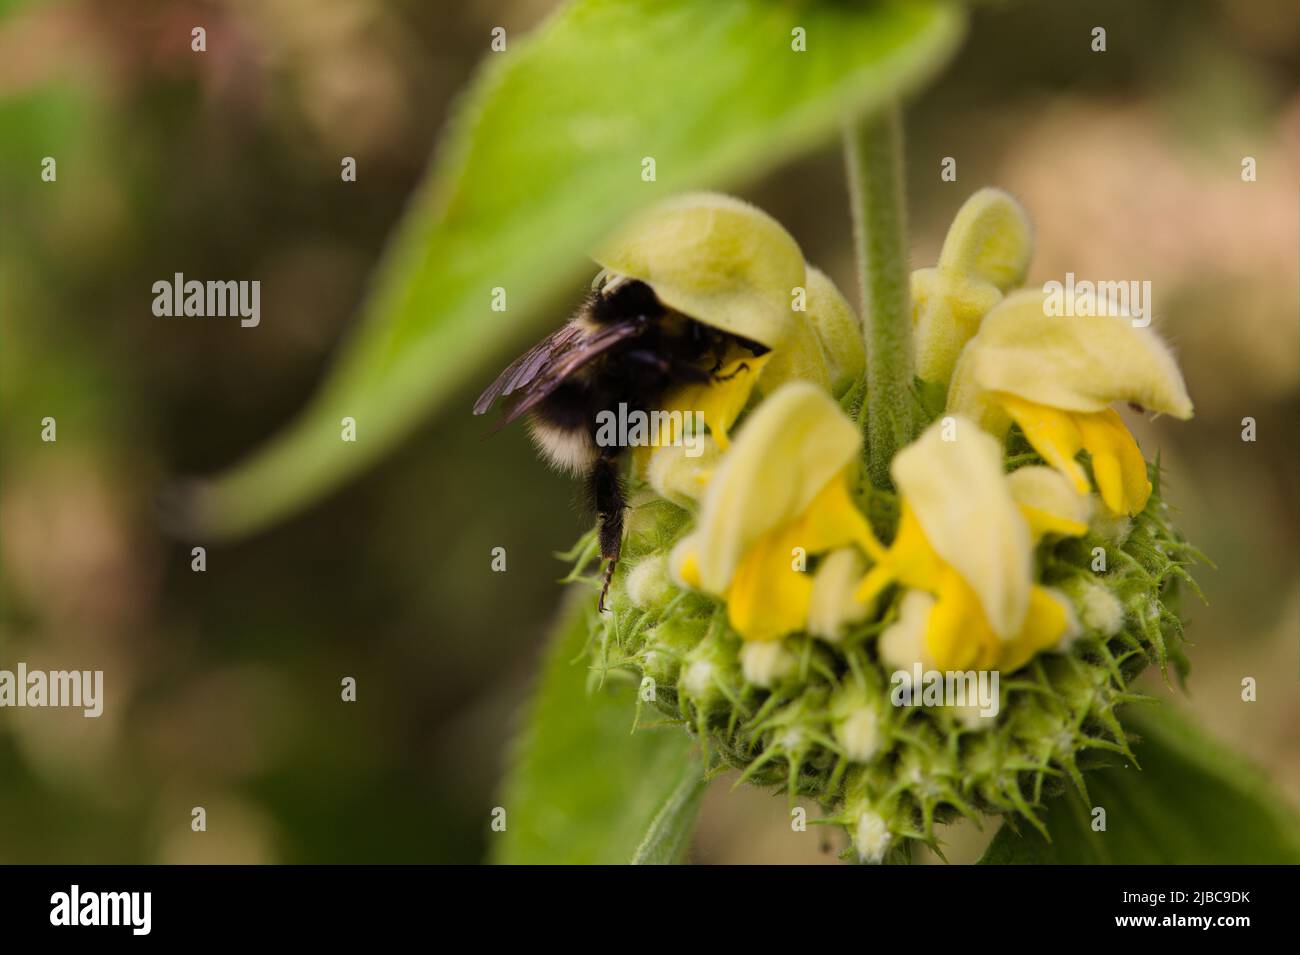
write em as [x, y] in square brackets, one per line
[561, 427]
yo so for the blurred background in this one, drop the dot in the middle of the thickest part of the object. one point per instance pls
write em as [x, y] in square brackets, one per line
[223, 688]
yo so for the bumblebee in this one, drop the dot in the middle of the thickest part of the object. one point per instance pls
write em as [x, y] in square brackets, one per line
[623, 347]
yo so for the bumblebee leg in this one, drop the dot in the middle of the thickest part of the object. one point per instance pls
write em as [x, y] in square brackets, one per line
[743, 366]
[606, 488]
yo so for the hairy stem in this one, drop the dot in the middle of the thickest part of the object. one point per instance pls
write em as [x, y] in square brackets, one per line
[873, 154]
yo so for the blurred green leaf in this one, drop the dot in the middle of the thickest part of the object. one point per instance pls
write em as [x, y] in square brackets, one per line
[582, 787]
[668, 839]
[1191, 803]
[543, 158]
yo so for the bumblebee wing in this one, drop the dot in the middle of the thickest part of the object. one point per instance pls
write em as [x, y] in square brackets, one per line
[590, 346]
[527, 366]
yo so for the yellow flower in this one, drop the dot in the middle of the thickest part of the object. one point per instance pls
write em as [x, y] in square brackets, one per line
[1057, 376]
[985, 253]
[720, 402]
[733, 267]
[965, 551]
[1049, 502]
[717, 259]
[827, 348]
[779, 495]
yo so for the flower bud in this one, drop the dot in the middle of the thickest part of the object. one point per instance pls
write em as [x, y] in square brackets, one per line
[648, 584]
[765, 662]
[833, 607]
[871, 837]
[990, 240]
[1100, 611]
[902, 643]
[985, 253]
[650, 522]
[858, 733]
[706, 669]
[677, 477]
[667, 645]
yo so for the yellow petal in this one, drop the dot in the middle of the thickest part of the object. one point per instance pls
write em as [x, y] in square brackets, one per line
[1050, 618]
[798, 358]
[839, 329]
[990, 240]
[963, 504]
[985, 253]
[833, 606]
[947, 310]
[684, 562]
[769, 598]
[720, 400]
[770, 595]
[1049, 502]
[902, 643]
[1074, 363]
[966, 397]
[675, 475]
[1117, 463]
[825, 344]
[910, 560]
[959, 638]
[957, 634]
[874, 583]
[715, 258]
[1053, 434]
[832, 519]
[788, 450]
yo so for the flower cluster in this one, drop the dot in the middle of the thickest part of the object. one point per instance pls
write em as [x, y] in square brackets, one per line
[775, 601]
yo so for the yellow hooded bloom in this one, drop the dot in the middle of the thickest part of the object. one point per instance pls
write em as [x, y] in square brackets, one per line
[985, 253]
[833, 355]
[1056, 377]
[779, 494]
[715, 258]
[730, 265]
[965, 546]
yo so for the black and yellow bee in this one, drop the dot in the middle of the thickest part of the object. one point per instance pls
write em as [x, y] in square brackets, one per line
[622, 347]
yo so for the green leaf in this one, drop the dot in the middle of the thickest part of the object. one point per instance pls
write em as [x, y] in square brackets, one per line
[669, 836]
[583, 788]
[542, 160]
[1192, 802]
